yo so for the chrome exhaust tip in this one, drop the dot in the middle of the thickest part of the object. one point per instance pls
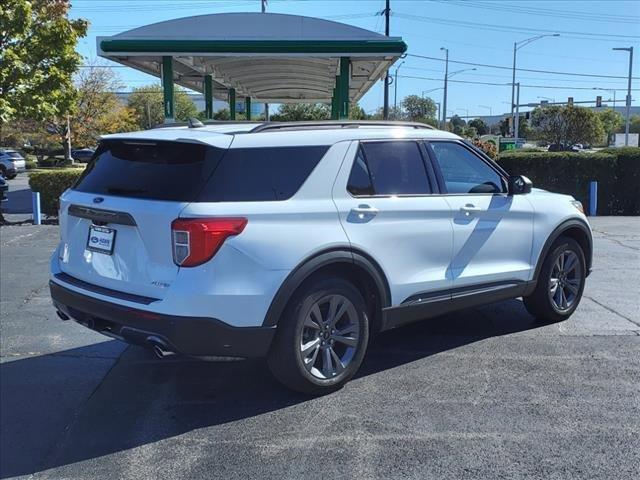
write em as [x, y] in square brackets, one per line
[160, 348]
[63, 316]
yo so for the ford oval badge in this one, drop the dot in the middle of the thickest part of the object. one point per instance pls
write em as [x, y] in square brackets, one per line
[98, 200]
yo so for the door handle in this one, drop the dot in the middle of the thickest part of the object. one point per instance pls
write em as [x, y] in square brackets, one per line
[469, 208]
[363, 211]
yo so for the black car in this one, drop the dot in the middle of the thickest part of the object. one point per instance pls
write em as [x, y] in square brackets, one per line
[82, 154]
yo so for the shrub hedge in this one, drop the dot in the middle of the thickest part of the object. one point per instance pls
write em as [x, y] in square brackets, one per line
[617, 171]
[51, 184]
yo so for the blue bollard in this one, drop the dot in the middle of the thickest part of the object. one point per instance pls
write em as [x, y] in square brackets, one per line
[35, 207]
[593, 199]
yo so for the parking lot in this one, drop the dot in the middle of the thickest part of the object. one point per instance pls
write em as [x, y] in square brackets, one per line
[486, 393]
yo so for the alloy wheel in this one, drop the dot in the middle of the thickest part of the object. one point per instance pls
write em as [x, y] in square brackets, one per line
[565, 280]
[329, 337]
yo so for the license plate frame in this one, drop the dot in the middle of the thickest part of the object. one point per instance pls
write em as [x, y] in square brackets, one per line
[101, 239]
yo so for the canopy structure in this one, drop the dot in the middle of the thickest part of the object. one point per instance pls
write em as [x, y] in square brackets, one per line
[264, 57]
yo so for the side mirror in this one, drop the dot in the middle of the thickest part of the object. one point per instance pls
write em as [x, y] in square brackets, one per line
[519, 185]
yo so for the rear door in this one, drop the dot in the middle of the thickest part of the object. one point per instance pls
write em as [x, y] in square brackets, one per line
[388, 209]
[492, 231]
[116, 221]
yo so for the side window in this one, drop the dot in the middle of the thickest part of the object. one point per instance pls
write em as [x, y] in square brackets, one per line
[360, 180]
[389, 168]
[464, 172]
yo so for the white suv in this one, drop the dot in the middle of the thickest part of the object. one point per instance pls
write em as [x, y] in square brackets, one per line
[297, 242]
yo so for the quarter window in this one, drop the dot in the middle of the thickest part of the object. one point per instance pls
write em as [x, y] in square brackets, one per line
[463, 171]
[389, 168]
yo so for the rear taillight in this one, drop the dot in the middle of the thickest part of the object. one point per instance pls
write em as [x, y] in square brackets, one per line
[196, 240]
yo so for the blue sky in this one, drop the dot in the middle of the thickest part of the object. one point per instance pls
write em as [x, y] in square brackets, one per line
[476, 31]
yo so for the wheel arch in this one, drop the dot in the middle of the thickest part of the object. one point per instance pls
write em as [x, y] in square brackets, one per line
[355, 265]
[576, 229]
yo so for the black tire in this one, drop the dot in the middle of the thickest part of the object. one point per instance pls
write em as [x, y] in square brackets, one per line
[285, 358]
[3, 171]
[540, 303]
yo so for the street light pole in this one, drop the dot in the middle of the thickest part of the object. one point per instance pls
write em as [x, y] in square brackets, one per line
[395, 92]
[489, 108]
[628, 100]
[516, 46]
[516, 122]
[444, 97]
[385, 107]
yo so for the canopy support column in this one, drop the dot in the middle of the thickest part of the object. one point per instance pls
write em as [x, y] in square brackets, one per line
[208, 97]
[247, 107]
[334, 103]
[167, 88]
[232, 103]
[343, 88]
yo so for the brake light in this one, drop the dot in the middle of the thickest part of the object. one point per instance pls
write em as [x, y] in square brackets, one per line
[196, 240]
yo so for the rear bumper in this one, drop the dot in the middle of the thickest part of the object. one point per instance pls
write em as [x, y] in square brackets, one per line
[192, 336]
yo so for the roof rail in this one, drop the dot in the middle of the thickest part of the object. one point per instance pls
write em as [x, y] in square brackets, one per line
[270, 126]
[192, 123]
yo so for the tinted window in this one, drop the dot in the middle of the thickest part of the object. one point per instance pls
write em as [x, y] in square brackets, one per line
[360, 180]
[463, 171]
[153, 170]
[261, 174]
[396, 168]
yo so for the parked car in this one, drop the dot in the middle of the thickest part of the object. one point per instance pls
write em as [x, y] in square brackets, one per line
[298, 242]
[82, 155]
[11, 163]
[4, 188]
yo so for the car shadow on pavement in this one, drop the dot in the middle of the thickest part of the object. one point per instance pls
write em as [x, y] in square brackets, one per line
[138, 400]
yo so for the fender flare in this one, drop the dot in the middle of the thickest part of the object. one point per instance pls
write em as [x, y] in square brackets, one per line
[556, 233]
[306, 268]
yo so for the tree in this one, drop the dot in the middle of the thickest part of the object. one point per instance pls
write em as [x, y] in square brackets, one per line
[295, 112]
[416, 108]
[356, 112]
[37, 41]
[634, 124]
[457, 124]
[611, 121]
[98, 110]
[567, 125]
[480, 126]
[148, 105]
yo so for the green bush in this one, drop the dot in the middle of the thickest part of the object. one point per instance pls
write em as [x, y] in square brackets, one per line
[30, 162]
[616, 170]
[54, 162]
[51, 184]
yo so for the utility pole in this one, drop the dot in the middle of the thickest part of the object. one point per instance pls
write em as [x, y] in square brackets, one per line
[516, 120]
[446, 76]
[263, 5]
[395, 94]
[628, 100]
[385, 108]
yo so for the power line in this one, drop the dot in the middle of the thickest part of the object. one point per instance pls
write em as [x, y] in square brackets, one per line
[544, 12]
[471, 82]
[518, 29]
[502, 67]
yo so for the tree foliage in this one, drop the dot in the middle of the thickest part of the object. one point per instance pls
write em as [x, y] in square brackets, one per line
[567, 125]
[480, 126]
[37, 45]
[98, 109]
[295, 112]
[416, 108]
[611, 120]
[147, 102]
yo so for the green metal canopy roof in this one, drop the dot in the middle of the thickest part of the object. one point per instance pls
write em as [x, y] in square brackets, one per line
[268, 57]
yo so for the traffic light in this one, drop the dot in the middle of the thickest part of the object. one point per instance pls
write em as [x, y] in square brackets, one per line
[570, 101]
[598, 101]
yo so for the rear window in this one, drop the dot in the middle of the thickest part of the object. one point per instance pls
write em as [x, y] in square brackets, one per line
[15, 155]
[178, 171]
[261, 174]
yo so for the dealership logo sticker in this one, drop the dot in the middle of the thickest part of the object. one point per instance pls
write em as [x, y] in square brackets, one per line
[98, 200]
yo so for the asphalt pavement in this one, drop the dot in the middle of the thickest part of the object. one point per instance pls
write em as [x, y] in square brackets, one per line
[485, 393]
